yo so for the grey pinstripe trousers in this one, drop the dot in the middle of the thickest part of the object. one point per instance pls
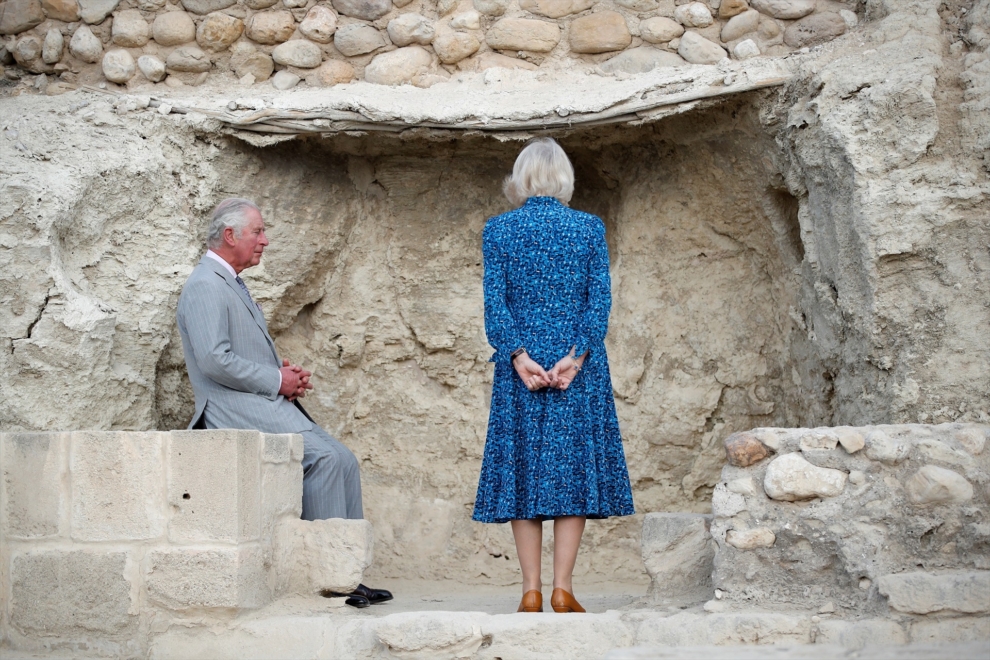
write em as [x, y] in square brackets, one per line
[331, 478]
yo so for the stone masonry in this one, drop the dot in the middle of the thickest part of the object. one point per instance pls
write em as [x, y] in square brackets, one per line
[419, 42]
[105, 535]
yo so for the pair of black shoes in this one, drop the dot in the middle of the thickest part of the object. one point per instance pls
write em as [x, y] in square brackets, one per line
[362, 596]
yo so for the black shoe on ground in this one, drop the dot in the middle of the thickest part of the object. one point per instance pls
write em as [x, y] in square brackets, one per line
[374, 596]
[357, 601]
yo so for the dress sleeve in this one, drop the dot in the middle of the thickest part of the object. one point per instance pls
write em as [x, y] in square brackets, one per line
[500, 327]
[594, 322]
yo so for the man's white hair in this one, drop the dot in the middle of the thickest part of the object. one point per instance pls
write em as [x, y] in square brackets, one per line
[231, 212]
[542, 169]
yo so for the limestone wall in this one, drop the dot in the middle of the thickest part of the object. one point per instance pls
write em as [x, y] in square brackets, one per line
[104, 536]
[856, 520]
[422, 42]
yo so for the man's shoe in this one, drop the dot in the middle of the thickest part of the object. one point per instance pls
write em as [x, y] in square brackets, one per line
[374, 596]
[358, 601]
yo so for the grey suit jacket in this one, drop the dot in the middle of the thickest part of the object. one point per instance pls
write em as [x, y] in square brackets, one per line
[231, 358]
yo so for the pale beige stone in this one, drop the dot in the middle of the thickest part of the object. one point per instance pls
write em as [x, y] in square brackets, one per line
[51, 50]
[331, 72]
[119, 67]
[973, 440]
[639, 5]
[469, 20]
[696, 49]
[85, 45]
[411, 28]
[194, 578]
[815, 29]
[745, 49]
[270, 27]
[398, 67]
[491, 7]
[749, 539]
[880, 447]
[936, 485]
[741, 24]
[920, 592]
[600, 32]
[96, 11]
[173, 28]
[791, 477]
[285, 80]
[367, 10]
[203, 7]
[260, 4]
[785, 9]
[453, 47]
[852, 441]
[641, 59]
[152, 68]
[218, 31]
[556, 8]
[298, 53]
[245, 59]
[31, 476]
[523, 34]
[322, 555]
[357, 39]
[27, 51]
[319, 25]
[818, 440]
[188, 59]
[130, 30]
[660, 29]
[694, 14]
[61, 10]
[678, 551]
[490, 60]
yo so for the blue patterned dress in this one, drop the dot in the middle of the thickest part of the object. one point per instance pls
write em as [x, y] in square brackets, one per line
[550, 453]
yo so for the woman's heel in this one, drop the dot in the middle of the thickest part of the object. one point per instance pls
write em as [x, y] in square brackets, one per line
[532, 601]
[561, 601]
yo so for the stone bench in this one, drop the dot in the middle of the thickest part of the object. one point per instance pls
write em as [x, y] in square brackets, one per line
[105, 534]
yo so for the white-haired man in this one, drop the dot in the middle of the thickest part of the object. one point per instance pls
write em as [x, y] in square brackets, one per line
[238, 379]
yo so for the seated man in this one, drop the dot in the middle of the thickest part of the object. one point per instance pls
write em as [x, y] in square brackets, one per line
[238, 379]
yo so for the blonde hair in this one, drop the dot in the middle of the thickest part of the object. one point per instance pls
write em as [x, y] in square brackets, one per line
[542, 169]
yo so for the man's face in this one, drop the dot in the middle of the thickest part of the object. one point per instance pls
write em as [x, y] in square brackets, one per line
[245, 250]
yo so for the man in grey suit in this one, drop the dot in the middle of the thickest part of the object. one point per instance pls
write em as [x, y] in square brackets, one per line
[238, 379]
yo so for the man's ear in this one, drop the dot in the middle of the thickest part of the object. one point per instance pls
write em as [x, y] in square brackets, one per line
[229, 237]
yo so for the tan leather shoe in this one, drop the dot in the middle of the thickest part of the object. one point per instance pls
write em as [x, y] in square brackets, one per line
[561, 601]
[532, 601]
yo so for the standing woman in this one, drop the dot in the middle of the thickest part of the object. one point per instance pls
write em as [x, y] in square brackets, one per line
[553, 447]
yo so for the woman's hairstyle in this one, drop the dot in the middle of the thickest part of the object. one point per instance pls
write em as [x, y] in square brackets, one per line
[542, 169]
[231, 212]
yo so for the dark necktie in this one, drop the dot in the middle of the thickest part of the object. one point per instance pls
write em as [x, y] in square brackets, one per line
[246, 292]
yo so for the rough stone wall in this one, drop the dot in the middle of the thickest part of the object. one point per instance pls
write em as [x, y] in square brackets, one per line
[855, 520]
[138, 42]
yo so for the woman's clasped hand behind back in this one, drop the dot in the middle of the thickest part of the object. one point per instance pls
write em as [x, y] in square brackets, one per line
[553, 449]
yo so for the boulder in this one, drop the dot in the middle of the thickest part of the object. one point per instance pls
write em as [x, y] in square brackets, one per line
[85, 45]
[96, 11]
[204, 7]
[399, 67]
[152, 68]
[118, 66]
[298, 53]
[730, 8]
[18, 16]
[740, 24]
[51, 50]
[815, 29]
[697, 50]
[523, 34]
[937, 485]
[411, 28]
[284, 80]
[744, 449]
[27, 51]
[319, 25]
[188, 59]
[357, 39]
[745, 49]
[218, 31]
[469, 20]
[331, 72]
[791, 477]
[491, 7]
[555, 8]
[601, 32]
[785, 9]
[641, 60]
[694, 14]
[367, 10]
[130, 30]
[660, 30]
[173, 28]
[852, 441]
[271, 27]
[245, 60]
[61, 10]
[452, 47]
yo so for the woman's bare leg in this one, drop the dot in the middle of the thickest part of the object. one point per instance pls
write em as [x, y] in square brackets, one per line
[529, 547]
[567, 532]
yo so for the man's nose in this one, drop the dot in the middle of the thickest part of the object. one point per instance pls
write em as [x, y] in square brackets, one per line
[264, 239]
